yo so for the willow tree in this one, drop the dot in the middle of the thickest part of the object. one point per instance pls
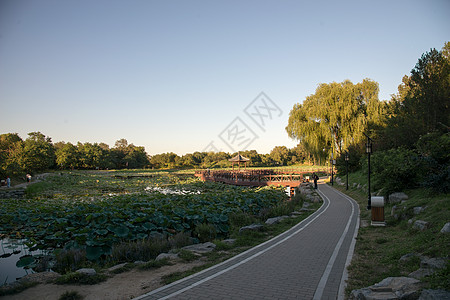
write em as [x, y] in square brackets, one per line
[335, 117]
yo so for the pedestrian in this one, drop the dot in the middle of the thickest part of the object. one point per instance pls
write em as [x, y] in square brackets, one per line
[315, 178]
[8, 181]
[28, 178]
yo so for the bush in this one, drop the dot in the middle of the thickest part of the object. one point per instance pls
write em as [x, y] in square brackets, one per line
[69, 260]
[143, 250]
[205, 232]
[240, 219]
[395, 170]
[72, 295]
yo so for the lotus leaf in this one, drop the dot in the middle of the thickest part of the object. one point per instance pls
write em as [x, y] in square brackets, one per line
[25, 261]
[93, 252]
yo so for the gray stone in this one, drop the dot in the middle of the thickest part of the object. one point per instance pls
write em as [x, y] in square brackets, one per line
[139, 262]
[446, 228]
[418, 210]
[407, 257]
[296, 213]
[394, 210]
[113, 268]
[201, 248]
[253, 227]
[229, 241]
[434, 295]
[390, 288]
[397, 197]
[274, 220]
[167, 256]
[86, 271]
[421, 273]
[420, 225]
[433, 263]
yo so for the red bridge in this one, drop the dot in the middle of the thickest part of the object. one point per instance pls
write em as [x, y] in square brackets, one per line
[262, 177]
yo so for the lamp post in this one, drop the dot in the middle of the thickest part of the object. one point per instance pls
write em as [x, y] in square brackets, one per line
[331, 161]
[346, 167]
[368, 151]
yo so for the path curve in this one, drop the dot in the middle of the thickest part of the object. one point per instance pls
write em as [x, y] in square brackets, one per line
[306, 262]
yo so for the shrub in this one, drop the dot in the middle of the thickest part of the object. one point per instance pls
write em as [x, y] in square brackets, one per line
[80, 278]
[69, 260]
[240, 219]
[395, 170]
[143, 250]
[205, 232]
[72, 295]
[180, 240]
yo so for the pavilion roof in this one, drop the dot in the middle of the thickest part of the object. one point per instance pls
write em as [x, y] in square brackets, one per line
[239, 158]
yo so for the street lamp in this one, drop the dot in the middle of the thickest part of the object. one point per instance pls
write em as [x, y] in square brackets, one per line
[332, 164]
[368, 151]
[346, 166]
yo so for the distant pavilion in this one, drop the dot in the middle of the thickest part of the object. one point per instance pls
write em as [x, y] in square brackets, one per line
[239, 159]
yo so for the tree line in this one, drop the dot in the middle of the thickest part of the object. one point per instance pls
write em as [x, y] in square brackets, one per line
[38, 153]
[410, 132]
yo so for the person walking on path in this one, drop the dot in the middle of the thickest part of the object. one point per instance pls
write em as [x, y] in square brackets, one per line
[8, 182]
[315, 178]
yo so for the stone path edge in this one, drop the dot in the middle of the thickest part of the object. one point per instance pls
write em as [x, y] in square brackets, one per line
[351, 250]
[288, 233]
[324, 278]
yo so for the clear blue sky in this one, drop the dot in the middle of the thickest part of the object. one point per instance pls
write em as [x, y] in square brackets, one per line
[175, 75]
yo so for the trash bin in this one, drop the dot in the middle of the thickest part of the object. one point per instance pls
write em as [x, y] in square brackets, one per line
[377, 204]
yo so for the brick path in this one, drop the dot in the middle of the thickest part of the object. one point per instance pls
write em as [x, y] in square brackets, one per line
[306, 262]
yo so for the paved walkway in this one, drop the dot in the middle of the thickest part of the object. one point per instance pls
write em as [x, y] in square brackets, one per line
[306, 262]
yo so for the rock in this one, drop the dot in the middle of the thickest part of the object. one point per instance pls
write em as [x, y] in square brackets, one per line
[434, 295]
[421, 273]
[317, 199]
[253, 227]
[446, 228]
[418, 209]
[86, 271]
[397, 197]
[296, 213]
[394, 210]
[339, 181]
[433, 263]
[229, 241]
[167, 256]
[389, 288]
[275, 220]
[420, 225]
[139, 262]
[12, 193]
[116, 267]
[201, 248]
[407, 257]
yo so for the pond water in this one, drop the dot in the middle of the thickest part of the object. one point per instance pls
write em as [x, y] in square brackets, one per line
[11, 253]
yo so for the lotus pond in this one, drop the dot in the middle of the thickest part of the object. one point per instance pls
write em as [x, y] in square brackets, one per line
[94, 211]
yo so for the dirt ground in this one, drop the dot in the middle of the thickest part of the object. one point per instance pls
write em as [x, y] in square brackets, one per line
[127, 285]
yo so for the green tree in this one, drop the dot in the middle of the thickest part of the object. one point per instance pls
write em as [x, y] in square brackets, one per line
[336, 116]
[10, 151]
[37, 153]
[422, 103]
[66, 156]
[280, 155]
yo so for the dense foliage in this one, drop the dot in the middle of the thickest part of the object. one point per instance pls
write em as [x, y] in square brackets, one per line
[95, 212]
[38, 153]
[410, 132]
